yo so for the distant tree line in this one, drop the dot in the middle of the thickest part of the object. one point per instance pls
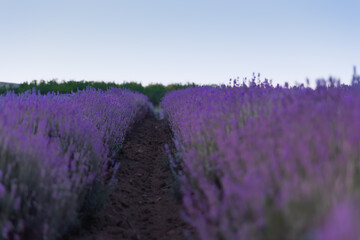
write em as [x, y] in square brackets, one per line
[155, 92]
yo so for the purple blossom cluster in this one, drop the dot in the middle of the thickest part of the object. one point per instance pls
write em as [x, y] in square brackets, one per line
[55, 153]
[264, 162]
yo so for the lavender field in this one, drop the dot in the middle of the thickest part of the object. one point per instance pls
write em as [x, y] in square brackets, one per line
[251, 161]
[118, 120]
[56, 157]
[263, 162]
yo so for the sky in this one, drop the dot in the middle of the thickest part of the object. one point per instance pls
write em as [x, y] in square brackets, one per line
[178, 41]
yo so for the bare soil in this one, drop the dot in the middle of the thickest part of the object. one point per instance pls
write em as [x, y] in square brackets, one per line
[141, 206]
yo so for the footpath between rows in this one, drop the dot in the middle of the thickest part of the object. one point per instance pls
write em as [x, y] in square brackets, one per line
[141, 206]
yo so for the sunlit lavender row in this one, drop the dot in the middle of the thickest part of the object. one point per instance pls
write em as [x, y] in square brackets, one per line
[264, 162]
[55, 155]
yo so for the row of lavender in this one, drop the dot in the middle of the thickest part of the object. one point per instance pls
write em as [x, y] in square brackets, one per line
[55, 154]
[265, 162]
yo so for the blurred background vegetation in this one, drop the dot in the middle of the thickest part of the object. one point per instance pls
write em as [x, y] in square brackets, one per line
[155, 92]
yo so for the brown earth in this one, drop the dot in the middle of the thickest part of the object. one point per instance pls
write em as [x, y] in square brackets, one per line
[141, 206]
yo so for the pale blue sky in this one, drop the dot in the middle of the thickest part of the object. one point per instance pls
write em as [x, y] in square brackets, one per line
[170, 41]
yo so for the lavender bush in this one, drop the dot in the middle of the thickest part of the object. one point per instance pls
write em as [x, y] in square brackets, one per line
[264, 162]
[55, 151]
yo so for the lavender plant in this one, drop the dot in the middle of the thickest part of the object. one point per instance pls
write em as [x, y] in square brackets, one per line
[55, 151]
[264, 162]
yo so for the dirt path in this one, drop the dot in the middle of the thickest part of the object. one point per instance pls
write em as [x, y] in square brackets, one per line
[141, 206]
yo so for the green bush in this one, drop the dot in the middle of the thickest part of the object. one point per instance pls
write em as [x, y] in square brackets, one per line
[155, 92]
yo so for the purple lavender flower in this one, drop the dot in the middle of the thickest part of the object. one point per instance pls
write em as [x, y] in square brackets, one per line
[54, 150]
[268, 163]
